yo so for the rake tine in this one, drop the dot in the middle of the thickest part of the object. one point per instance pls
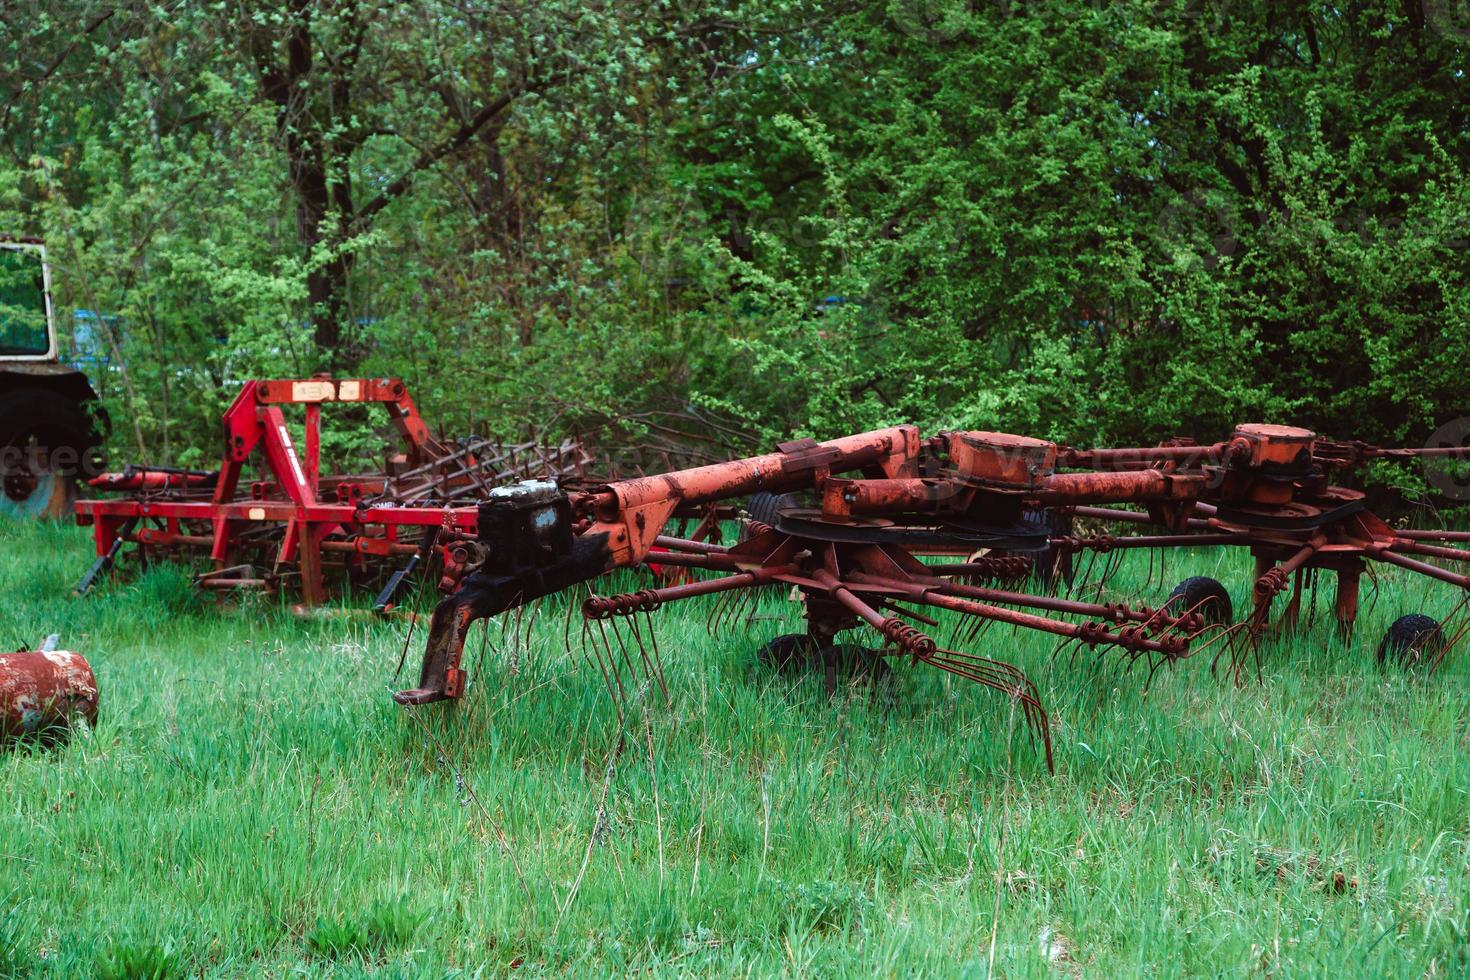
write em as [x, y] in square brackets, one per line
[726, 608]
[1079, 582]
[597, 657]
[617, 633]
[607, 679]
[954, 630]
[1018, 690]
[1230, 634]
[1373, 581]
[973, 627]
[566, 631]
[709, 617]
[658, 659]
[1460, 631]
[1223, 632]
[516, 649]
[1153, 670]
[1056, 649]
[648, 664]
[622, 694]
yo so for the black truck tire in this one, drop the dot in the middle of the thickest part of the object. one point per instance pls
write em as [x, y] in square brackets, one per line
[45, 438]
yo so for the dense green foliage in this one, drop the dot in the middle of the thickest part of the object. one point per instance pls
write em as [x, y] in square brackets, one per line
[251, 803]
[1077, 219]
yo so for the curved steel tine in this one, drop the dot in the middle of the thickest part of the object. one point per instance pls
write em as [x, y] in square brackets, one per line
[1373, 581]
[658, 659]
[1078, 585]
[607, 679]
[1454, 636]
[1231, 636]
[566, 630]
[1110, 569]
[1056, 649]
[1005, 678]
[1176, 627]
[622, 694]
[1193, 650]
[1148, 682]
[617, 632]
[954, 629]
[648, 668]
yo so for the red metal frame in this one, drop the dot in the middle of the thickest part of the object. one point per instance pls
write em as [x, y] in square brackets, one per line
[291, 497]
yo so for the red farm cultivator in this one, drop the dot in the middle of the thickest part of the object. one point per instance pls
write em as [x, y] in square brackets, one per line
[290, 526]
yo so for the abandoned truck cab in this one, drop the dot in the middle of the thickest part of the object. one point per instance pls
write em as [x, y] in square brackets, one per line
[48, 414]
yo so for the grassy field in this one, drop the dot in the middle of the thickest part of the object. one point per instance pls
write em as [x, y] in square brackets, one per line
[251, 802]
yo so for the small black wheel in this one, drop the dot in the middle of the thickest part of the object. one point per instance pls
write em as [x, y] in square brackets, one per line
[763, 507]
[785, 652]
[1051, 565]
[795, 654]
[852, 662]
[1205, 596]
[1411, 640]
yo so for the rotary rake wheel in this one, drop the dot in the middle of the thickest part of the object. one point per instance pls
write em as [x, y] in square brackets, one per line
[1269, 489]
[852, 554]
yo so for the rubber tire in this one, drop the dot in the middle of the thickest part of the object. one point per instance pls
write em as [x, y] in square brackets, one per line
[1049, 566]
[852, 662]
[1409, 638]
[793, 654]
[1217, 608]
[53, 421]
[762, 507]
[783, 653]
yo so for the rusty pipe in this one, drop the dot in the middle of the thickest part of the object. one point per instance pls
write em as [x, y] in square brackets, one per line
[1139, 485]
[773, 472]
[1100, 458]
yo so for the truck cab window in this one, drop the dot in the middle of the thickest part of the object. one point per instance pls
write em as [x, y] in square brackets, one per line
[23, 328]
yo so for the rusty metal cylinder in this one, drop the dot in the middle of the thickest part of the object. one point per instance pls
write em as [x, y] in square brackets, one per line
[42, 692]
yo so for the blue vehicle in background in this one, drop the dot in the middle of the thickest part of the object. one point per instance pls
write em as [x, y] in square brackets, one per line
[50, 422]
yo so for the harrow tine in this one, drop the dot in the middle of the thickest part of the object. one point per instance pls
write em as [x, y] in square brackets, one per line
[610, 677]
[403, 654]
[566, 630]
[1078, 585]
[1066, 644]
[709, 616]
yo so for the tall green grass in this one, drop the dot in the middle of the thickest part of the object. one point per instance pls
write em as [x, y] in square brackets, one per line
[251, 802]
